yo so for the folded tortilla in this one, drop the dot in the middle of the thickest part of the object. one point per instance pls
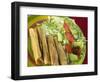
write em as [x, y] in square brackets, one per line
[30, 53]
[44, 49]
[35, 46]
[61, 52]
[52, 51]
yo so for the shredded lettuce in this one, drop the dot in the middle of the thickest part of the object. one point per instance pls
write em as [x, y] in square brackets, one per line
[54, 26]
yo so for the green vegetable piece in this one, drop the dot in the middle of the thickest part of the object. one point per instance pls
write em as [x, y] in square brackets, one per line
[65, 41]
[60, 37]
[79, 43]
[73, 57]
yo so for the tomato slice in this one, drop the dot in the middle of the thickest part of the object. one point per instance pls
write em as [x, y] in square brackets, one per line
[68, 48]
[68, 33]
[69, 37]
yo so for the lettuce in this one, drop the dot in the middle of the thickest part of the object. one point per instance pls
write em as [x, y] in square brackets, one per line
[73, 57]
[54, 26]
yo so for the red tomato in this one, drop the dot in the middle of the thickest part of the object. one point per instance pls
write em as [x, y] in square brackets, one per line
[68, 33]
[69, 37]
[68, 48]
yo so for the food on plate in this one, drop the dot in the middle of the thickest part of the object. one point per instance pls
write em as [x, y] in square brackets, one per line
[55, 40]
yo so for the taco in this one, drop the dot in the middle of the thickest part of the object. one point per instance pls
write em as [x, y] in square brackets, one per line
[55, 40]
